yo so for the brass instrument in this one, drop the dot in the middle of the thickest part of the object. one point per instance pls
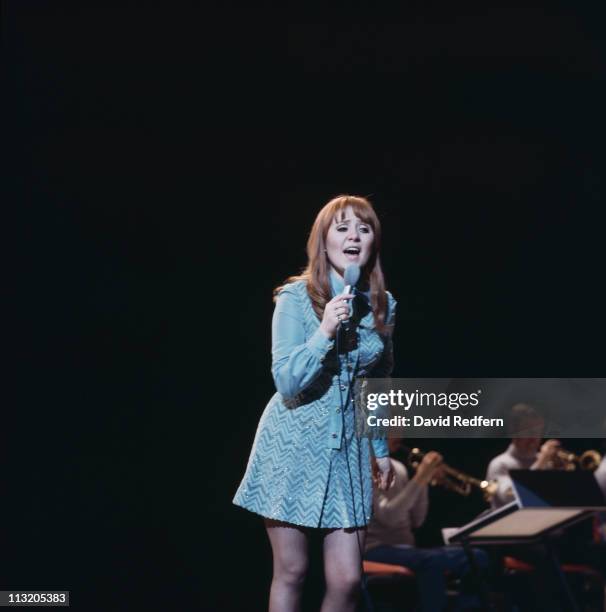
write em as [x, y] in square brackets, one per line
[589, 460]
[455, 480]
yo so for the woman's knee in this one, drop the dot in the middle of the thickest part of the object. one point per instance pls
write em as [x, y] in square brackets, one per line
[344, 581]
[291, 570]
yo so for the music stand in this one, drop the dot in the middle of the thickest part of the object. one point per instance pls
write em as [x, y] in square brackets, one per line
[523, 526]
[556, 488]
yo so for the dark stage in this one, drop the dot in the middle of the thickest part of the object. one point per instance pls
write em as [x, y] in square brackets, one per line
[164, 167]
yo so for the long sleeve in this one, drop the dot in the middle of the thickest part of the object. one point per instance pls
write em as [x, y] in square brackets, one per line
[397, 511]
[384, 368]
[418, 512]
[498, 469]
[410, 497]
[295, 362]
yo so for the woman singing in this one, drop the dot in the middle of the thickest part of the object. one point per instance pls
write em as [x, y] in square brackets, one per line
[307, 468]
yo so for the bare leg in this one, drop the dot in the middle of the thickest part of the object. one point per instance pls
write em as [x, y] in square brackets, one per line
[289, 547]
[342, 569]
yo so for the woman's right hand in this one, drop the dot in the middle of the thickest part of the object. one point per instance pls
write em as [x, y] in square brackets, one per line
[335, 312]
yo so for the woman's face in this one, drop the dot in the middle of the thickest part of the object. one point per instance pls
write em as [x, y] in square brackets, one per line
[349, 241]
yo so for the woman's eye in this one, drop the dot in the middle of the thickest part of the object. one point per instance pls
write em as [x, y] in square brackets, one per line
[364, 229]
[342, 228]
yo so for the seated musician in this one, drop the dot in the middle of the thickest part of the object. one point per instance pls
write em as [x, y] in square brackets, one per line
[522, 454]
[528, 453]
[390, 538]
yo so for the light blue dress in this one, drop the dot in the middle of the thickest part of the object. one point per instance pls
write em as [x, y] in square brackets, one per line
[307, 467]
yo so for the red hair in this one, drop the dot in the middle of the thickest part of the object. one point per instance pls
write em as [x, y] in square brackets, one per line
[317, 272]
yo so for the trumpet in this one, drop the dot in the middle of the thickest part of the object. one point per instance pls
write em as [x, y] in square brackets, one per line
[455, 480]
[589, 460]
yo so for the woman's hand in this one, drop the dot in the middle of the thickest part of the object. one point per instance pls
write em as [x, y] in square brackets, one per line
[335, 311]
[383, 474]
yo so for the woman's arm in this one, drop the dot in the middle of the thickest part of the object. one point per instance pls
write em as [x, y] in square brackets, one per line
[384, 368]
[296, 363]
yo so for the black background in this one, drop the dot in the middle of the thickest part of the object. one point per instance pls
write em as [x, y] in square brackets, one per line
[165, 166]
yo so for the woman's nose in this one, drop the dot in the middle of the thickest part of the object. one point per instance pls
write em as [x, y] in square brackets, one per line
[353, 234]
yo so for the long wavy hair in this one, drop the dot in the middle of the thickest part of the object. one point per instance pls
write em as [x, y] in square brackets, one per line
[317, 272]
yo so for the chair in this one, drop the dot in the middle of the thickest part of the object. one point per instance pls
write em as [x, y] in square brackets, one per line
[391, 587]
[586, 581]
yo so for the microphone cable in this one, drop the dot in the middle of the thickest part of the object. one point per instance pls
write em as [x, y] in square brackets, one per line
[363, 583]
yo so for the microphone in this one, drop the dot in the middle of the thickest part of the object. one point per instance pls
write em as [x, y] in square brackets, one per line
[351, 278]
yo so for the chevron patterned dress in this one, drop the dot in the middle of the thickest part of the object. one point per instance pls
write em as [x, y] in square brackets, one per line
[307, 467]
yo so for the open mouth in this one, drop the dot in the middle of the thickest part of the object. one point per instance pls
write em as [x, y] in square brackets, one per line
[352, 252]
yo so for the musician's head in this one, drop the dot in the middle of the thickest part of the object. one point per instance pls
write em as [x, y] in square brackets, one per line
[527, 426]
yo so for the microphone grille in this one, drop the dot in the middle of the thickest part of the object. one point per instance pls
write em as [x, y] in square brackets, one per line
[352, 275]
